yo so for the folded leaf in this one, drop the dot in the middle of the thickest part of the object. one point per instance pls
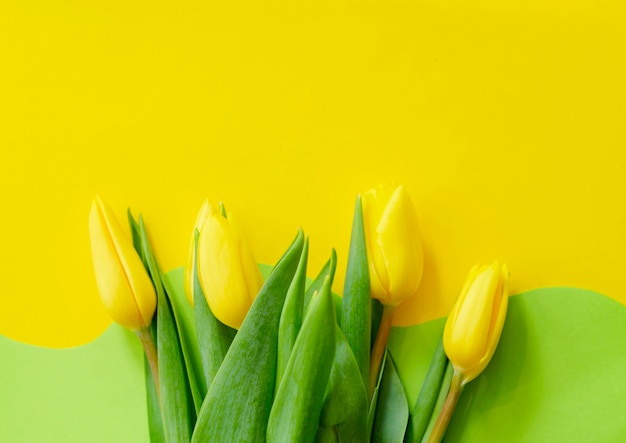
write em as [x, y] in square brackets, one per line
[155, 421]
[176, 402]
[184, 318]
[392, 410]
[344, 414]
[238, 404]
[371, 412]
[356, 304]
[300, 396]
[291, 317]
[328, 269]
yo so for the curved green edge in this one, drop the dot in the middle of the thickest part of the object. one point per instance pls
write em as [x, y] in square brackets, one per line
[559, 375]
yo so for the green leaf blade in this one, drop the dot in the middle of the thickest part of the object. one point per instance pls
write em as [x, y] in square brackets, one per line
[176, 402]
[356, 304]
[291, 316]
[300, 396]
[425, 404]
[344, 415]
[392, 410]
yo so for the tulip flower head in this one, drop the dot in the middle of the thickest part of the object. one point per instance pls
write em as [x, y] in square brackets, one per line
[229, 274]
[475, 323]
[394, 247]
[124, 285]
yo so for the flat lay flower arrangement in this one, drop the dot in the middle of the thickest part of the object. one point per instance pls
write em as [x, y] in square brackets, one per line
[285, 359]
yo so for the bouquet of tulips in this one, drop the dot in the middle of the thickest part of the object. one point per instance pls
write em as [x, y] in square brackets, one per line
[285, 360]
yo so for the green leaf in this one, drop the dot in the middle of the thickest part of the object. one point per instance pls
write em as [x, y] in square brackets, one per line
[136, 237]
[296, 410]
[328, 269]
[344, 415]
[424, 405]
[356, 306]
[291, 317]
[176, 403]
[184, 319]
[155, 421]
[239, 400]
[371, 412]
[392, 410]
[214, 337]
[441, 399]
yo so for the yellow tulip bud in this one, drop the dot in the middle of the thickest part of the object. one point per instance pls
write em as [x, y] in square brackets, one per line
[229, 274]
[475, 323]
[124, 285]
[203, 214]
[394, 247]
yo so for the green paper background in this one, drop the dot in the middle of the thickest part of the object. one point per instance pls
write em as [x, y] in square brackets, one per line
[559, 375]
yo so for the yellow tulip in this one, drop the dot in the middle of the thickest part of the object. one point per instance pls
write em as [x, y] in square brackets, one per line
[475, 323]
[203, 214]
[394, 247]
[124, 285]
[229, 274]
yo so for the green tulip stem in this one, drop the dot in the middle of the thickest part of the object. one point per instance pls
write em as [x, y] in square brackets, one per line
[380, 344]
[151, 354]
[456, 387]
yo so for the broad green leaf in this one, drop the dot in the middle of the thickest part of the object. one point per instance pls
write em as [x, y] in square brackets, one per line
[291, 316]
[238, 404]
[356, 305]
[296, 410]
[392, 410]
[214, 337]
[176, 403]
[424, 405]
[344, 415]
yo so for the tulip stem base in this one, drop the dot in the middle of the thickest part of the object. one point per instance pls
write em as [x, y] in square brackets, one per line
[380, 344]
[151, 354]
[456, 387]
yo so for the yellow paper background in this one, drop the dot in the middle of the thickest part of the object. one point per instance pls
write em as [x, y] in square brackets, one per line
[506, 122]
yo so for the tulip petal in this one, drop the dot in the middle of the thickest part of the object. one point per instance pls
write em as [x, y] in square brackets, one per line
[221, 274]
[125, 288]
[470, 330]
[248, 264]
[497, 323]
[402, 254]
[373, 207]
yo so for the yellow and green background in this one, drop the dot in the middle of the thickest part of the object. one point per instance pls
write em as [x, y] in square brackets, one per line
[506, 122]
